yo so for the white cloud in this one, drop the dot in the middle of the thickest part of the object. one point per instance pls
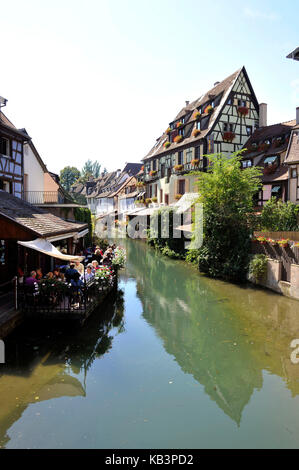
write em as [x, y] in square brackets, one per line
[256, 14]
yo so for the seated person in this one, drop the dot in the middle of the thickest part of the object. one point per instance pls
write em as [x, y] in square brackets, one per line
[79, 267]
[88, 274]
[39, 274]
[56, 274]
[31, 284]
[95, 265]
[50, 275]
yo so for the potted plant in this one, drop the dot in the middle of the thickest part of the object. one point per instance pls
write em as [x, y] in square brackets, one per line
[283, 243]
[271, 241]
[195, 161]
[178, 196]
[228, 136]
[178, 167]
[153, 172]
[196, 132]
[140, 184]
[178, 139]
[179, 124]
[243, 110]
[148, 200]
[262, 240]
[196, 115]
[168, 130]
[167, 144]
[154, 199]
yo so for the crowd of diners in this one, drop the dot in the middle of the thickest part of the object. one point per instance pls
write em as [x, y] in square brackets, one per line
[74, 273]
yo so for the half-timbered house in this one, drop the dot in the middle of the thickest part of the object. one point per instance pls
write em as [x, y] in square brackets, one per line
[221, 120]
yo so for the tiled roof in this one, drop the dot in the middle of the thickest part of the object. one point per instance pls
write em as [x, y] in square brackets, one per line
[132, 168]
[34, 219]
[280, 174]
[293, 153]
[269, 132]
[223, 88]
[6, 121]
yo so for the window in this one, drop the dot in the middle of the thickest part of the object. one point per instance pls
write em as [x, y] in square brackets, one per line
[294, 172]
[229, 101]
[246, 163]
[197, 152]
[180, 158]
[181, 187]
[276, 191]
[181, 132]
[2, 253]
[188, 155]
[271, 161]
[198, 126]
[248, 130]
[5, 186]
[4, 146]
[154, 165]
[242, 103]
[162, 170]
[228, 127]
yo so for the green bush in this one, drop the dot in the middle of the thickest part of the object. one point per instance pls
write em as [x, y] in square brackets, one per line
[258, 267]
[163, 219]
[279, 216]
[226, 192]
[192, 256]
[83, 214]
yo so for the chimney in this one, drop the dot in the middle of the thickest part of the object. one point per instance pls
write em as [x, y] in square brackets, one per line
[187, 102]
[263, 115]
[297, 115]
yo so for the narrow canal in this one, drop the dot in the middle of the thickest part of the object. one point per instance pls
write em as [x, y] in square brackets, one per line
[175, 361]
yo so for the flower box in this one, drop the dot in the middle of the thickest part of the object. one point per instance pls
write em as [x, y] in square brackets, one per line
[271, 241]
[167, 144]
[283, 243]
[178, 167]
[179, 124]
[178, 139]
[243, 110]
[168, 131]
[197, 115]
[195, 161]
[196, 132]
[209, 109]
[262, 240]
[148, 200]
[154, 199]
[153, 172]
[229, 136]
[178, 196]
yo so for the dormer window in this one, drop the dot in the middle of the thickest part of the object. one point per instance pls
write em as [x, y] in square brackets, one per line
[246, 163]
[271, 161]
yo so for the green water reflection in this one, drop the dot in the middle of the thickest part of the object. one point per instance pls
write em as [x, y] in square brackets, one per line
[174, 360]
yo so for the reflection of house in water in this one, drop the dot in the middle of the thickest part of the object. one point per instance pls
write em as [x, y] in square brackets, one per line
[224, 335]
[41, 366]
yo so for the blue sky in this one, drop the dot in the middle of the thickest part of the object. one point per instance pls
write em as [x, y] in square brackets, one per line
[102, 79]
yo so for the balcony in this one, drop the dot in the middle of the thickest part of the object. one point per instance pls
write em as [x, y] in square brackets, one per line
[45, 197]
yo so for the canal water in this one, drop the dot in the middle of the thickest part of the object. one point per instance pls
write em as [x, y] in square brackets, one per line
[174, 360]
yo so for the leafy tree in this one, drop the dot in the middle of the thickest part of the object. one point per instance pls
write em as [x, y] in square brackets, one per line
[279, 216]
[226, 192]
[68, 176]
[90, 169]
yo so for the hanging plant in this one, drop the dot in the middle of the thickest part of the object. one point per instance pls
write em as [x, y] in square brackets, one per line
[178, 139]
[229, 136]
[167, 144]
[209, 109]
[243, 110]
[195, 161]
[196, 115]
[196, 132]
[179, 124]
[168, 131]
[153, 172]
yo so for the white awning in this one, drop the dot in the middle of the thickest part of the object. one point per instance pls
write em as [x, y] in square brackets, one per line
[83, 233]
[44, 246]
